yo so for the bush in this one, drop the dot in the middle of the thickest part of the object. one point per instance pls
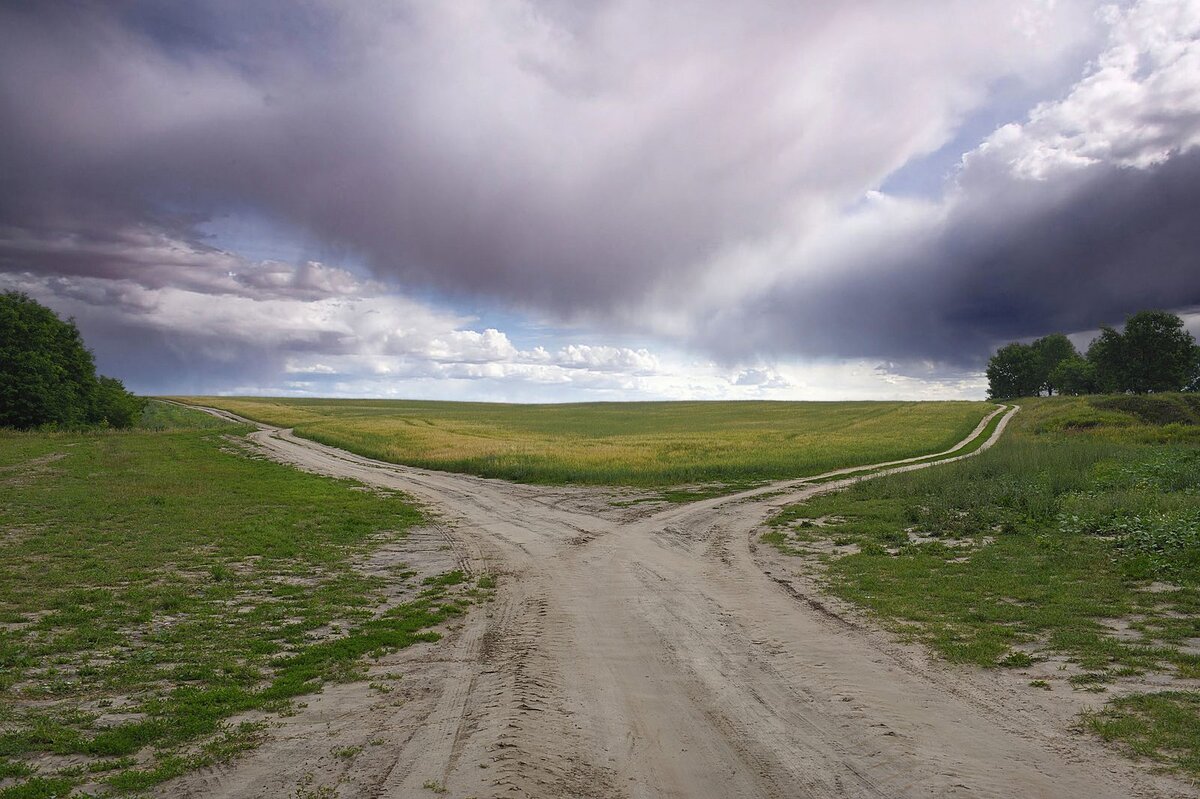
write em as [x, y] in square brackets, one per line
[115, 406]
[47, 376]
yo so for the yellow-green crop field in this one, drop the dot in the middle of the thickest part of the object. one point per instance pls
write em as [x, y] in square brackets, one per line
[652, 444]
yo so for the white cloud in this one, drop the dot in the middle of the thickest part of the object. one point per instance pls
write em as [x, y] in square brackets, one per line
[1138, 105]
[606, 359]
[762, 378]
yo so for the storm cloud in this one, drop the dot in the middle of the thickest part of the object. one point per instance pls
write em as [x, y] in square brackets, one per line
[709, 177]
[1021, 260]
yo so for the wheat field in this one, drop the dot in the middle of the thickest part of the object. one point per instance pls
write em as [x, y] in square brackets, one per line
[650, 444]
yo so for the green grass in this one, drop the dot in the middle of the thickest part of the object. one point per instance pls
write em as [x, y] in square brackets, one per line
[157, 583]
[710, 447]
[973, 445]
[1027, 550]
[1164, 727]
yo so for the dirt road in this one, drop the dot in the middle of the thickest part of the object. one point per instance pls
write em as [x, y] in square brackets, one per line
[649, 653]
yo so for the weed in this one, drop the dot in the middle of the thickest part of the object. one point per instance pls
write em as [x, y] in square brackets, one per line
[1162, 726]
[305, 789]
[1016, 660]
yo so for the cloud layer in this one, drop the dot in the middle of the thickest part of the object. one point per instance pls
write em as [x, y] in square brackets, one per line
[707, 180]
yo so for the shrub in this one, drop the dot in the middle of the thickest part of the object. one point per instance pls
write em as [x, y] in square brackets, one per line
[47, 376]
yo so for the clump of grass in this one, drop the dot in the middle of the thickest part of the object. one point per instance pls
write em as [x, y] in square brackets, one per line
[346, 752]
[1162, 726]
[1017, 660]
[161, 575]
[698, 449]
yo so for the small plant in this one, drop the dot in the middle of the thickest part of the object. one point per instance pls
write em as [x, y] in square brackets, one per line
[1017, 660]
[305, 790]
[435, 786]
[1045, 686]
[1090, 679]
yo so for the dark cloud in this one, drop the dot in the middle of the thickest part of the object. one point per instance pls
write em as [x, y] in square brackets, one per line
[686, 176]
[532, 153]
[1014, 259]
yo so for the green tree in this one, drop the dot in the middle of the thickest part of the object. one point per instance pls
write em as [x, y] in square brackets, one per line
[47, 376]
[1159, 353]
[1014, 371]
[1051, 351]
[1074, 376]
[114, 406]
[1106, 354]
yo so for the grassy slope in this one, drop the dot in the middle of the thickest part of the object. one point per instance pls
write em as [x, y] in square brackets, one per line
[157, 582]
[644, 444]
[1024, 551]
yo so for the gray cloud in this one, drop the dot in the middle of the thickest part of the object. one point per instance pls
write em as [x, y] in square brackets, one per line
[1021, 259]
[1082, 214]
[698, 177]
[535, 153]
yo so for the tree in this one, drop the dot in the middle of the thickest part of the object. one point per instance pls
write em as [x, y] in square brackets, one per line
[1106, 354]
[1155, 352]
[114, 406]
[1014, 371]
[1074, 376]
[1159, 353]
[47, 376]
[1051, 351]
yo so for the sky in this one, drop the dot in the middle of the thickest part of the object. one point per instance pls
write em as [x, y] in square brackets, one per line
[543, 200]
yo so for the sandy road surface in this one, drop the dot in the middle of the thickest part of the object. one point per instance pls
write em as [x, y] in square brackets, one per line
[648, 653]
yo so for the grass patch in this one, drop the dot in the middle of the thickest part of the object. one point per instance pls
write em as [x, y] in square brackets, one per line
[1084, 515]
[968, 448]
[701, 448]
[157, 583]
[1163, 726]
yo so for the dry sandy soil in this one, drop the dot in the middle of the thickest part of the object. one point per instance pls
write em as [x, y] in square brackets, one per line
[650, 651]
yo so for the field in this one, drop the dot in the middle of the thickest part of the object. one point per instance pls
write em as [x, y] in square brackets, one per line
[170, 600]
[1071, 551]
[636, 444]
[161, 585]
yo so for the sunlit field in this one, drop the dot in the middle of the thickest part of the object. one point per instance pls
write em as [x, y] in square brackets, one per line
[650, 444]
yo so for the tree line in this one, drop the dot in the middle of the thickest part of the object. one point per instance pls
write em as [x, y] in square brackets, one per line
[1153, 353]
[48, 377]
